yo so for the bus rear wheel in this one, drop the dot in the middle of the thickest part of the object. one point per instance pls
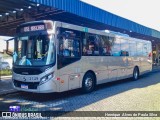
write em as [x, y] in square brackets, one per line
[88, 83]
[135, 73]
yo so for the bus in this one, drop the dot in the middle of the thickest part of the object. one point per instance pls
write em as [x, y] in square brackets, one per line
[53, 56]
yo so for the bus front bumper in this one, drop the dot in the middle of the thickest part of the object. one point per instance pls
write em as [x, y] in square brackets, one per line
[47, 87]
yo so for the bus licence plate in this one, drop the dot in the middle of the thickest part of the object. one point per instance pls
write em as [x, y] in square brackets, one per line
[24, 86]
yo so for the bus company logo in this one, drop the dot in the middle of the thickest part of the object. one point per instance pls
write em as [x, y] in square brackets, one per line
[14, 108]
[24, 79]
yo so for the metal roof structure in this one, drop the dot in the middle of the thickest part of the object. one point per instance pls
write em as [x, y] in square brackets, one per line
[15, 12]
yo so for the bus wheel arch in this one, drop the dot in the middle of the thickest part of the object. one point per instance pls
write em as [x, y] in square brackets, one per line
[136, 73]
[89, 82]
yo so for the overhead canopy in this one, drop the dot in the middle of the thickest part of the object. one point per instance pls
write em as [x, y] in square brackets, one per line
[15, 12]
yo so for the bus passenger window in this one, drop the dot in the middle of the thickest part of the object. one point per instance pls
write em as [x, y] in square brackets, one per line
[75, 50]
[105, 46]
[91, 49]
[91, 45]
[124, 47]
[116, 48]
[84, 50]
[69, 47]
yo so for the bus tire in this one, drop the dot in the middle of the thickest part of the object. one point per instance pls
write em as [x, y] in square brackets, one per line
[135, 73]
[88, 84]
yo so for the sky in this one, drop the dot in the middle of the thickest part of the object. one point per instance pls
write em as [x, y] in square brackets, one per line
[144, 12]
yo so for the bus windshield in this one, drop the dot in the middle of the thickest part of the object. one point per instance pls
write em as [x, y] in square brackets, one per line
[36, 50]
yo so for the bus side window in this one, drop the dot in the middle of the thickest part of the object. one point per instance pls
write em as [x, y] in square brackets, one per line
[116, 48]
[105, 46]
[124, 47]
[132, 47]
[91, 45]
[69, 47]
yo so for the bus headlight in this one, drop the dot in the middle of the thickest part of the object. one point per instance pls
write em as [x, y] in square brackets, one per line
[46, 78]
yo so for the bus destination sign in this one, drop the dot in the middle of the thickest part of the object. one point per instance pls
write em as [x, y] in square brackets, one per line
[33, 28]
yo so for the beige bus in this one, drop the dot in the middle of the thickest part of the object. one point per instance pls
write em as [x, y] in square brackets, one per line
[52, 56]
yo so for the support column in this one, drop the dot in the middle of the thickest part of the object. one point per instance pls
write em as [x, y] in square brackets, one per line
[0, 65]
[158, 53]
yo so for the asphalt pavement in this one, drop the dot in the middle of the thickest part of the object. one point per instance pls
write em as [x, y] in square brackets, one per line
[6, 85]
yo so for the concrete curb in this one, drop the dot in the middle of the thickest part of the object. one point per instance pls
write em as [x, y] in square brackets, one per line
[9, 76]
[6, 92]
[156, 69]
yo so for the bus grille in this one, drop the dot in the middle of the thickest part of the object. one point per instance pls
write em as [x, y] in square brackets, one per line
[30, 71]
[31, 85]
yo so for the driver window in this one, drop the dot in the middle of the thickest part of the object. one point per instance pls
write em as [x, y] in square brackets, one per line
[39, 48]
[29, 48]
[69, 47]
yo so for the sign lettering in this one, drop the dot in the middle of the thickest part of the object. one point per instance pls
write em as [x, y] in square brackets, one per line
[33, 28]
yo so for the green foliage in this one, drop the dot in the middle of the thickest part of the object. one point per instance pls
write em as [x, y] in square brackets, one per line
[6, 56]
[5, 72]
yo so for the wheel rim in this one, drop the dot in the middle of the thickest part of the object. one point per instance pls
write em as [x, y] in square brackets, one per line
[89, 83]
[136, 74]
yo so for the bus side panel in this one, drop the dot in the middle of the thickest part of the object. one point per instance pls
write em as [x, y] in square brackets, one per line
[98, 65]
[123, 67]
[130, 67]
[70, 76]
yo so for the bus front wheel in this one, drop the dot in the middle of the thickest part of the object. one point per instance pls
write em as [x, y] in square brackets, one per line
[88, 83]
[135, 73]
